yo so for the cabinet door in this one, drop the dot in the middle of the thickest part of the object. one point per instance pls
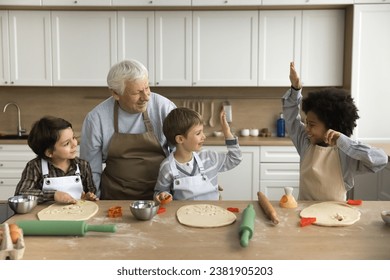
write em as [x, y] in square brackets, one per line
[306, 2]
[279, 44]
[225, 48]
[226, 2]
[20, 2]
[4, 49]
[279, 154]
[85, 47]
[322, 48]
[370, 73]
[29, 54]
[173, 48]
[274, 189]
[151, 3]
[384, 184]
[241, 182]
[76, 3]
[136, 39]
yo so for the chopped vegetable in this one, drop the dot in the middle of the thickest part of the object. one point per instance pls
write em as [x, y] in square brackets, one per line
[115, 212]
[307, 221]
[161, 210]
[233, 209]
[354, 202]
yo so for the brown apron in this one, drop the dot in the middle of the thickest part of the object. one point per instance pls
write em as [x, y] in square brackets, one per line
[132, 164]
[321, 177]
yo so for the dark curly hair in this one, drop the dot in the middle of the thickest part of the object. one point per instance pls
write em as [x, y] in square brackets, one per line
[334, 107]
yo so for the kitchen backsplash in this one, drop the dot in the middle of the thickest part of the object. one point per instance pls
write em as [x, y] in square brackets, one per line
[251, 107]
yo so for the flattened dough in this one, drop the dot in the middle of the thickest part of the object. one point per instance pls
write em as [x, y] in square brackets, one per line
[204, 216]
[81, 211]
[332, 214]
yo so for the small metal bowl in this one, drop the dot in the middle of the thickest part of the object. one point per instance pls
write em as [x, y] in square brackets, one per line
[386, 217]
[23, 204]
[144, 209]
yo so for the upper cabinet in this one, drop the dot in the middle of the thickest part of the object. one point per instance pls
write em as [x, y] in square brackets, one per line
[322, 52]
[310, 38]
[25, 48]
[226, 2]
[370, 74]
[139, 25]
[305, 2]
[84, 47]
[76, 3]
[279, 43]
[173, 48]
[151, 3]
[225, 48]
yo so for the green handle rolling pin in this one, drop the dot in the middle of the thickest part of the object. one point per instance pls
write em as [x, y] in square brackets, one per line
[247, 225]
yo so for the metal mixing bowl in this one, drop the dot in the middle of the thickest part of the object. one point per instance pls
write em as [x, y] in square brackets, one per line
[144, 209]
[22, 204]
[386, 217]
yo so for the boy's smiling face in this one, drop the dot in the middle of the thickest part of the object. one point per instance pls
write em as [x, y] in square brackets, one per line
[315, 128]
[194, 139]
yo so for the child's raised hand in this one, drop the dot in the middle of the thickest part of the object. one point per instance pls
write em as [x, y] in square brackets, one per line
[63, 197]
[225, 125]
[294, 78]
[331, 137]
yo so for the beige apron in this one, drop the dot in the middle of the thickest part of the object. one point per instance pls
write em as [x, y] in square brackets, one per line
[320, 176]
[132, 164]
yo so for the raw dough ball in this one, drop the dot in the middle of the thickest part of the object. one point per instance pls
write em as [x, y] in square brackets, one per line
[332, 214]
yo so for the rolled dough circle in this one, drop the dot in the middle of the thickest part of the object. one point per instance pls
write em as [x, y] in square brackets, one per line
[81, 211]
[204, 216]
[332, 214]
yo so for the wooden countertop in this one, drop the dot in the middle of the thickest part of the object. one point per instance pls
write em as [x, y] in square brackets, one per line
[163, 238]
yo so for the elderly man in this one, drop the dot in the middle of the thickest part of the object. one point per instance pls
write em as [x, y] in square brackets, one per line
[125, 133]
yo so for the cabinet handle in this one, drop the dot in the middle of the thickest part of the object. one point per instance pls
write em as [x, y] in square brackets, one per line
[1, 182]
[75, 2]
[1, 165]
[12, 82]
[150, 2]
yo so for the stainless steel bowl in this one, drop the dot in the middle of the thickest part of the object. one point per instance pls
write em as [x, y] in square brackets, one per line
[144, 209]
[22, 204]
[386, 217]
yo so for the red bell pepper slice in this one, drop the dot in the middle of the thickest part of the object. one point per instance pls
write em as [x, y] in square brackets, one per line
[307, 221]
[161, 210]
[233, 209]
[354, 202]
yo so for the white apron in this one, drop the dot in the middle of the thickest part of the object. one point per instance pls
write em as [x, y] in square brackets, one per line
[197, 187]
[69, 184]
[320, 176]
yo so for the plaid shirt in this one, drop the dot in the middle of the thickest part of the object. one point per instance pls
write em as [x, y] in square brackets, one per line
[32, 178]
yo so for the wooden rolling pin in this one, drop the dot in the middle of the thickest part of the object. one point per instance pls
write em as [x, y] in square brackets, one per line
[267, 208]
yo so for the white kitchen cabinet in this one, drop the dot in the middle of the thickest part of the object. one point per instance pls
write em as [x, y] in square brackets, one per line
[13, 159]
[322, 51]
[76, 3]
[279, 168]
[370, 73]
[225, 48]
[173, 48]
[372, 1]
[226, 3]
[137, 26]
[373, 186]
[151, 3]
[25, 48]
[279, 44]
[241, 182]
[305, 2]
[20, 2]
[84, 47]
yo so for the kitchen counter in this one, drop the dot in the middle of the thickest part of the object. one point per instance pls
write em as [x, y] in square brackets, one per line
[164, 238]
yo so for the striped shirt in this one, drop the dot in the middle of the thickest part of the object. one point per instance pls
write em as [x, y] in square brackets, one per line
[213, 163]
[32, 178]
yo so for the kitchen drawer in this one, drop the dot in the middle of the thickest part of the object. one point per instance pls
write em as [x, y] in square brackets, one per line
[12, 173]
[6, 192]
[278, 154]
[12, 165]
[274, 189]
[279, 171]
